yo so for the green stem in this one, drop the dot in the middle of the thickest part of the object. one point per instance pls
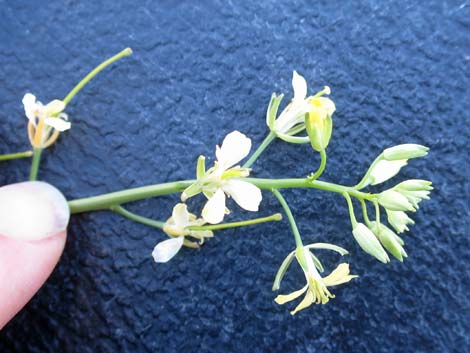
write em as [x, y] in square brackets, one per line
[274, 217]
[136, 218]
[364, 212]
[290, 217]
[321, 168]
[10, 156]
[33, 173]
[105, 201]
[377, 214]
[268, 139]
[351, 210]
[94, 72]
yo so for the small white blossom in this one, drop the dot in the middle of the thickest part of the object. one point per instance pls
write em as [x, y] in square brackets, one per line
[293, 116]
[226, 179]
[176, 227]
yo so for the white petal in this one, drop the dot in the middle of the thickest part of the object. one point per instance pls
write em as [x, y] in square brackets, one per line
[32, 210]
[54, 107]
[165, 250]
[180, 215]
[29, 103]
[246, 195]
[300, 87]
[385, 170]
[235, 147]
[214, 210]
[58, 124]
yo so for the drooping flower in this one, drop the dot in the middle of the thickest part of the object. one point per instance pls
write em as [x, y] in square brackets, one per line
[226, 179]
[291, 121]
[45, 121]
[177, 228]
[316, 290]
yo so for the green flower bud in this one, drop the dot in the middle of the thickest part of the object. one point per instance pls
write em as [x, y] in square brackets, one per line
[394, 201]
[399, 220]
[414, 185]
[405, 151]
[389, 240]
[319, 128]
[369, 243]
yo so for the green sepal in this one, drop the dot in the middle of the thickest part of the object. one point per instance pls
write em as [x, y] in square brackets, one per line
[317, 263]
[282, 271]
[201, 167]
[271, 112]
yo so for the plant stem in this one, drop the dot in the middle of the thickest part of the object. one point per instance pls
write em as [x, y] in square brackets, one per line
[268, 139]
[351, 210]
[33, 173]
[94, 72]
[136, 218]
[290, 217]
[10, 156]
[274, 217]
[105, 201]
[321, 168]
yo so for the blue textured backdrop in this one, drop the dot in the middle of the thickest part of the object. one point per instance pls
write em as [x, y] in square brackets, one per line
[399, 72]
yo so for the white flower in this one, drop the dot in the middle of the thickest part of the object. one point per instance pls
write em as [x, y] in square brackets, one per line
[316, 288]
[226, 179]
[51, 115]
[292, 119]
[176, 227]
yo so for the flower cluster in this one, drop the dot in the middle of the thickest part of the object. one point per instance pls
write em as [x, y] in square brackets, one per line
[224, 178]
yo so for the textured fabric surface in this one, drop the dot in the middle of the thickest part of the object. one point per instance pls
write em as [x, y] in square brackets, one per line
[399, 72]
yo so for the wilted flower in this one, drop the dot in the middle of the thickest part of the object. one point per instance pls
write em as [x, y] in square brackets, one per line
[316, 288]
[45, 121]
[224, 178]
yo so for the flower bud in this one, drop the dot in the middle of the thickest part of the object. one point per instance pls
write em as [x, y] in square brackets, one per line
[369, 243]
[319, 130]
[399, 220]
[405, 151]
[415, 185]
[389, 240]
[394, 201]
[384, 170]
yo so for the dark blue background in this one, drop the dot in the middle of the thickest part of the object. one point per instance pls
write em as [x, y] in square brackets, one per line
[399, 72]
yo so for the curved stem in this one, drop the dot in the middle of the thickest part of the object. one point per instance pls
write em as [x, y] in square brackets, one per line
[321, 168]
[33, 173]
[290, 217]
[94, 72]
[10, 156]
[136, 218]
[268, 139]
[351, 210]
[274, 217]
